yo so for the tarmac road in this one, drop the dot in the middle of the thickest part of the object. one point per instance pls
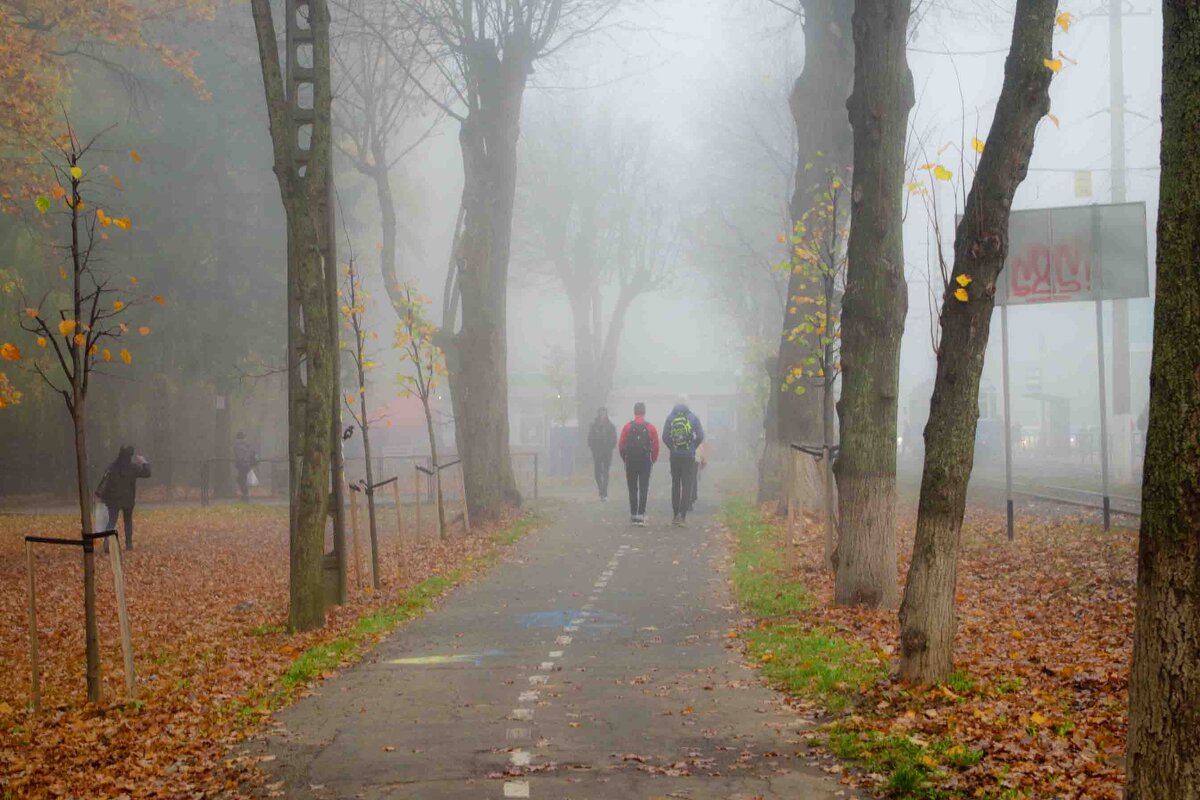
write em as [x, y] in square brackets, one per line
[590, 664]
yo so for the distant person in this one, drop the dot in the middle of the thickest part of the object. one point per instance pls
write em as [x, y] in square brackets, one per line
[682, 434]
[602, 439]
[638, 447]
[244, 461]
[118, 490]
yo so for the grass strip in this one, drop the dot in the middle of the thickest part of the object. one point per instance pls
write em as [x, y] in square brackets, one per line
[815, 663]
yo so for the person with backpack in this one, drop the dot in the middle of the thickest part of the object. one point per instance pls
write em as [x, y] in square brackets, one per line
[682, 434]
[118, 490]
[602, 438]
[638, 447]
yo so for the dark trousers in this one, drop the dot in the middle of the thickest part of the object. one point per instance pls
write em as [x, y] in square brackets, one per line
[127, 518]
[637, 476]
[603, 465]
[683, 477]
[243, 480]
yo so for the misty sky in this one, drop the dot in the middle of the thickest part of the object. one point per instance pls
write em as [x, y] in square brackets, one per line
[668, 63]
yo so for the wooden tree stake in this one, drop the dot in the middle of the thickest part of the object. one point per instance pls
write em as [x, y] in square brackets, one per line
[358, 579]
[92, 634]
[417, 495]
[462, 489]
[399, 510]
[34, 660]
[118, 570]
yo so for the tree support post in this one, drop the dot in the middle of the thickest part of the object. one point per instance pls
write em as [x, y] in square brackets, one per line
[34, 660]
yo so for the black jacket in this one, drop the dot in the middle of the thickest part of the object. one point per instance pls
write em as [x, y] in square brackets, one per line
[602, 437]
[118, 487]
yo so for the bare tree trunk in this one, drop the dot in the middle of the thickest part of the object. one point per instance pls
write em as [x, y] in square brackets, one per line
[303, 199]
[479, 361]
[82, 483]
[828, 402]
[981, 244]
[818, 106]
[1164, 684]
[370, 492]
[874, 306]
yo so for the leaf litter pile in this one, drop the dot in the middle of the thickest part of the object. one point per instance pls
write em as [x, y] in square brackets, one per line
[1037, 706]
[207, 594]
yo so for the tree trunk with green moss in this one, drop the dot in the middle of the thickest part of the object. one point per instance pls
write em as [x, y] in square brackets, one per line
[1164, 685]
[980, 247]
[873, 308]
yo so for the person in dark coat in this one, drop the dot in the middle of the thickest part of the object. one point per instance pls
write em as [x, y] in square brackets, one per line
[118, 489]
[682, 434]
[244, 460]
[602, 440]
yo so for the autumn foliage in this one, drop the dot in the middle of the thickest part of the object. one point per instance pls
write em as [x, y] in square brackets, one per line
[208, 599]
[42, 42]
[1037, 707]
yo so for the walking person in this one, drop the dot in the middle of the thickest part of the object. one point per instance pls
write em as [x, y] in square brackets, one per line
[638, 447]
[118, 490]
[245, 459]
[682, 434]
[701, 463]
[602, 439]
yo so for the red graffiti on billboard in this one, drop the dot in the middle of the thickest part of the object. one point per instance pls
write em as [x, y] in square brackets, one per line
[1043, 273]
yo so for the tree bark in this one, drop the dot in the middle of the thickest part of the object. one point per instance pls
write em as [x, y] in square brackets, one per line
[303, 199]
[874, 307]
[479, 361]
[1164, 684]
[818, 106]
[927, 622]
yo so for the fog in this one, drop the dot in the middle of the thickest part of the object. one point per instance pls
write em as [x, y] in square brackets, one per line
[703, 85]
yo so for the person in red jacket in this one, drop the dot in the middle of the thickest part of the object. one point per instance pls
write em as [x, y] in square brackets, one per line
[638, 447]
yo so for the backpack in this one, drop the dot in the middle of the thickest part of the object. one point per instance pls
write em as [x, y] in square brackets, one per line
[679, 431]
[637, 442]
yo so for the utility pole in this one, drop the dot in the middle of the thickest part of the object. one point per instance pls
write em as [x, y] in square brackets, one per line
[1116, 122]
[299, 80]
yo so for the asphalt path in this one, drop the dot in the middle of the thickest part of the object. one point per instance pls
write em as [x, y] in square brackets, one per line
[592, 663]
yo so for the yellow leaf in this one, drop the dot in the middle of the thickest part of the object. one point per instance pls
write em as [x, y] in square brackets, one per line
[961, 295]
[927, 167]
[133, 280]
[118, 305]
[134, 155]
[10, 352]
[1038, 719]
[66, 327]
[941, 173]
[107, 354]
[1052, 64]
[977, 144]
[1018, 635]
[963, 280]
[126, 357]
[62, 273]
[1064, 20]
[123, 223]
[41, 340]
[928, 761]
[144, 330]
[80, 339]
[76, 173]
[92, 350]
[914, 187]
[102, 218]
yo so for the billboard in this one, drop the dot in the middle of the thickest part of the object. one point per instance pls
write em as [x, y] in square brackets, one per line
[1064, 255]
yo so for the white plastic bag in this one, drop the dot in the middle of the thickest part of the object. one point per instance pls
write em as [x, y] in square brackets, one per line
[251, 479]
[100, 518]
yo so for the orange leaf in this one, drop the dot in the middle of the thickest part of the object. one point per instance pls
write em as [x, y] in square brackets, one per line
[126, 357]
[158, 298]
[144, 330]
[66, 327]
[10, 352]
[134, 155]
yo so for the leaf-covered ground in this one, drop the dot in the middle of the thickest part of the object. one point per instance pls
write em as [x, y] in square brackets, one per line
[1037, 707]
[207, 591]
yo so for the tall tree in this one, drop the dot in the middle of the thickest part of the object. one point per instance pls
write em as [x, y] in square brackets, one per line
[1164, 684]
[305, 193]
[818, 106]
[873, 308]
[594, 213]
[486, 50]
[381, 103]
[980, 247]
